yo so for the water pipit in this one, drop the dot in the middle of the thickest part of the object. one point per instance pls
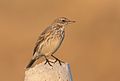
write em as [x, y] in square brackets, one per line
[50, 40]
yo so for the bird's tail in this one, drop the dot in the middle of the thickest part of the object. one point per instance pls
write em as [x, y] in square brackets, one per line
[30, 63]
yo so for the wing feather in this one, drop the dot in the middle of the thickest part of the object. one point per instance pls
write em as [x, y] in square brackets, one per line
[41, 39]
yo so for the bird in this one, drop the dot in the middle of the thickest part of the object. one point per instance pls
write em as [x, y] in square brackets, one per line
[49, 41]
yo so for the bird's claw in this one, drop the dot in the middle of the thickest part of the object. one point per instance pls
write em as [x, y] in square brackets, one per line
[47, 61]
[60, 62]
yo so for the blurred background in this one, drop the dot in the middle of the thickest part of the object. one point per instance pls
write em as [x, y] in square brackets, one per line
[91, 45]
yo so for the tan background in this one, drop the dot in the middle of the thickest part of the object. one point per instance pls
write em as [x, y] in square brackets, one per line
[91, 46]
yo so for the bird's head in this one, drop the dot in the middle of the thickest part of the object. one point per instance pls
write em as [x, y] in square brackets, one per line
[62, 21]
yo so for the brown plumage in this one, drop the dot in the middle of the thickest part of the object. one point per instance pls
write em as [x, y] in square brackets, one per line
[49, 41]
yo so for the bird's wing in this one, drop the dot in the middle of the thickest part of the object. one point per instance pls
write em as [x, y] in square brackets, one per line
[41, 38]
[37, 44]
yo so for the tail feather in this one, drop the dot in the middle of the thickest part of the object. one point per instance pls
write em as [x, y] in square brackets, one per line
[31, 63]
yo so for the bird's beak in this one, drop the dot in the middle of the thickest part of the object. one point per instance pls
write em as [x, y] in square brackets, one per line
[71, 22]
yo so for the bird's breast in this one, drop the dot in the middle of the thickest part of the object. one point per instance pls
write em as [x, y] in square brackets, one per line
[51, 45]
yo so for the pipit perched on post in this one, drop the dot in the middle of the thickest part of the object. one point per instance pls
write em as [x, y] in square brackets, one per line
[50, 40]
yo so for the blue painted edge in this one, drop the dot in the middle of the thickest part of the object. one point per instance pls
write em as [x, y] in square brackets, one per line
[70, 74]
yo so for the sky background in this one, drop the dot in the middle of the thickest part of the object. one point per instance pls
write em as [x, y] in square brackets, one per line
[91, 45]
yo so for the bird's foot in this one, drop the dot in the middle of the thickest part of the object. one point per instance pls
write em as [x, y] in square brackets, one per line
[60, 62]
[49, 62]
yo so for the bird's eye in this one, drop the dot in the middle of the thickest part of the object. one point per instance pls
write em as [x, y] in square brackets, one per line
[63, 20]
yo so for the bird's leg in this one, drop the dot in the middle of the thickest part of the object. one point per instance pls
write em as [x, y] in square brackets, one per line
[57, 60]
[47, 61]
